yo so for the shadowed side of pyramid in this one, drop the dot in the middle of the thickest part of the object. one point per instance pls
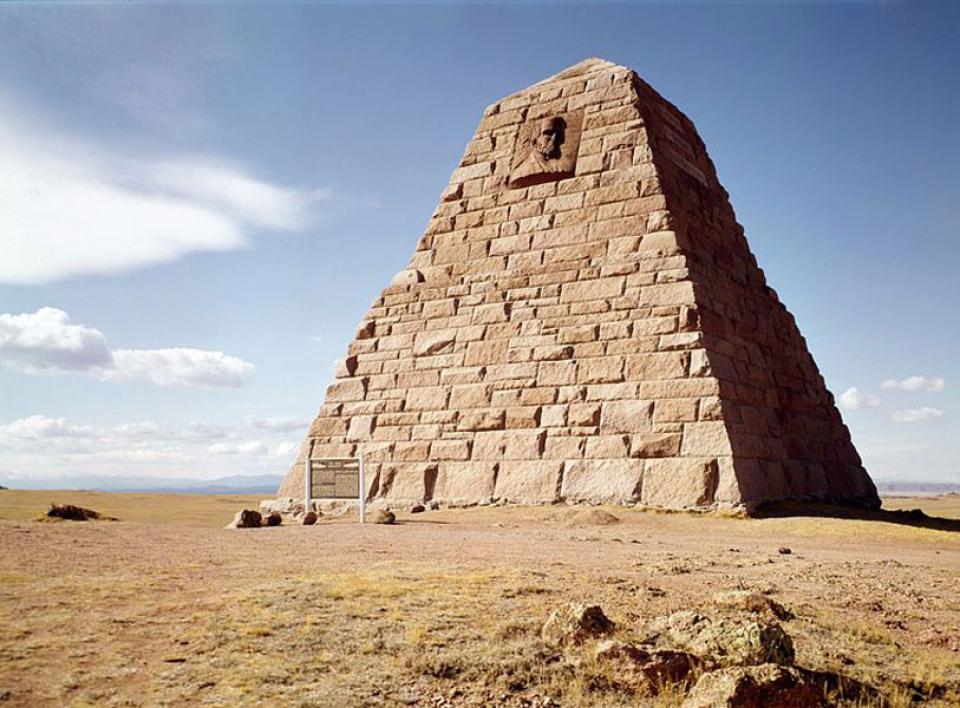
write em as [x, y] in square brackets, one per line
[582, 320]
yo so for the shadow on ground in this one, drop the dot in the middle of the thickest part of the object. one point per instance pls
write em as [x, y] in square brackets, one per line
[903, 517]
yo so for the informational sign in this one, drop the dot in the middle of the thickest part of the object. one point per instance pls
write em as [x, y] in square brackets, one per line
[333, 479]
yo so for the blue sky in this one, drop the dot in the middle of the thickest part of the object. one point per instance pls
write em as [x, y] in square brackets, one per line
[215, 194]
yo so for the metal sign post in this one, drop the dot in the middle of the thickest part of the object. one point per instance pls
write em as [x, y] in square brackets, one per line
[308, 479]
[363, 495]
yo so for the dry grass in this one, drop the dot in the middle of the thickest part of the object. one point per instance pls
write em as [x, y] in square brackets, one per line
[444, 605]
[148, 508]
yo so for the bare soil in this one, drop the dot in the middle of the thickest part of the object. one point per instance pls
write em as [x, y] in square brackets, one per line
[444, 607]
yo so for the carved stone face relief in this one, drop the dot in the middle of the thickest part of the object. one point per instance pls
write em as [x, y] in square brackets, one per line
[546, 149]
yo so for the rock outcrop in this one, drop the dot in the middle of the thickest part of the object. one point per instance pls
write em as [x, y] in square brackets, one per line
[759, 686]
[575, 624]
[726, 642]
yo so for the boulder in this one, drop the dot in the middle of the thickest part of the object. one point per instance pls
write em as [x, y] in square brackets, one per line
[756, 687]
[282, 505]
[381, 516]
[752, 601]
[273, 519]
[309, 519]
[246, 519]
[723, 642]
[417, 509]
[71, 512]
[575, 623]
[639, 671]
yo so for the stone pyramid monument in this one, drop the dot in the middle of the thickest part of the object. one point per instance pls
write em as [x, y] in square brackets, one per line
[583, 321]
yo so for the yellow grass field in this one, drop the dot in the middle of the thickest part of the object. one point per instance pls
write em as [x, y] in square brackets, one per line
[187, 509]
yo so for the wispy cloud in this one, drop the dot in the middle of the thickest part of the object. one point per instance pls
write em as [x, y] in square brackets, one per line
[853, 400]
[71, 207]
[917, 415]
[47, 342]
[916, 383]
[247, 447]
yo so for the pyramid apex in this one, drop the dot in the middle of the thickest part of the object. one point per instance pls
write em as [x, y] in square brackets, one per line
[591, 65]
[586, 66]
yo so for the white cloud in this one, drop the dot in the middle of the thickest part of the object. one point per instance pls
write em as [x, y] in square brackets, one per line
[71, 208]
[917, 415]
[285, 449]
[37, 427]
[280, 423]
[250, 447]
[180, 366]
[46, 342]
[916, 383]
[853, 400]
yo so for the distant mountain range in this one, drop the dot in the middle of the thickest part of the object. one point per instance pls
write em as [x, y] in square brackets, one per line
[234, 484]
[909, 488]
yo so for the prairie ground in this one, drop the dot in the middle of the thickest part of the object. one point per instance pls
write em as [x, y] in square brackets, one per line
[167, 607]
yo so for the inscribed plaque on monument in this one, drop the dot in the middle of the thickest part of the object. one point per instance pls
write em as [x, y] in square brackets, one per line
[546, 149]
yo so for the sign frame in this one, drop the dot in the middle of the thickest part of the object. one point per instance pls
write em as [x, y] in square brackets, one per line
[308, 482]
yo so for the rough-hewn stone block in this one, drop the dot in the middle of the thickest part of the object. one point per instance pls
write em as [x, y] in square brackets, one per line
[600, 370]
[706, 439]
[655, 444]
[529, 482]
[611, 446]
[450, 450]
[602, 481]
[626, 416]
[406, 483]
[430, 398]
[465, 483]
[667, 365]
[677, 482]
[470, 396]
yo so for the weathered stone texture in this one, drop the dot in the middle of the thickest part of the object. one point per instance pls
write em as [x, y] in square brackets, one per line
[595, 333]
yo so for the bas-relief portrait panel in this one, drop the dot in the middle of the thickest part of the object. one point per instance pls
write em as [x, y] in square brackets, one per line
[546, 149]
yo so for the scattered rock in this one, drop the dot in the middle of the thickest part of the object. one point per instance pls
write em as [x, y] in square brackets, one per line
[575, 623]
[273, 519]
[752, 601]
[784, 551]
[381, 516]
[755, 687]
[246, 519]
[73, 513]
[643, 672]
[417, 509]
[309, 519]
[589, 517]
[724, 642]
